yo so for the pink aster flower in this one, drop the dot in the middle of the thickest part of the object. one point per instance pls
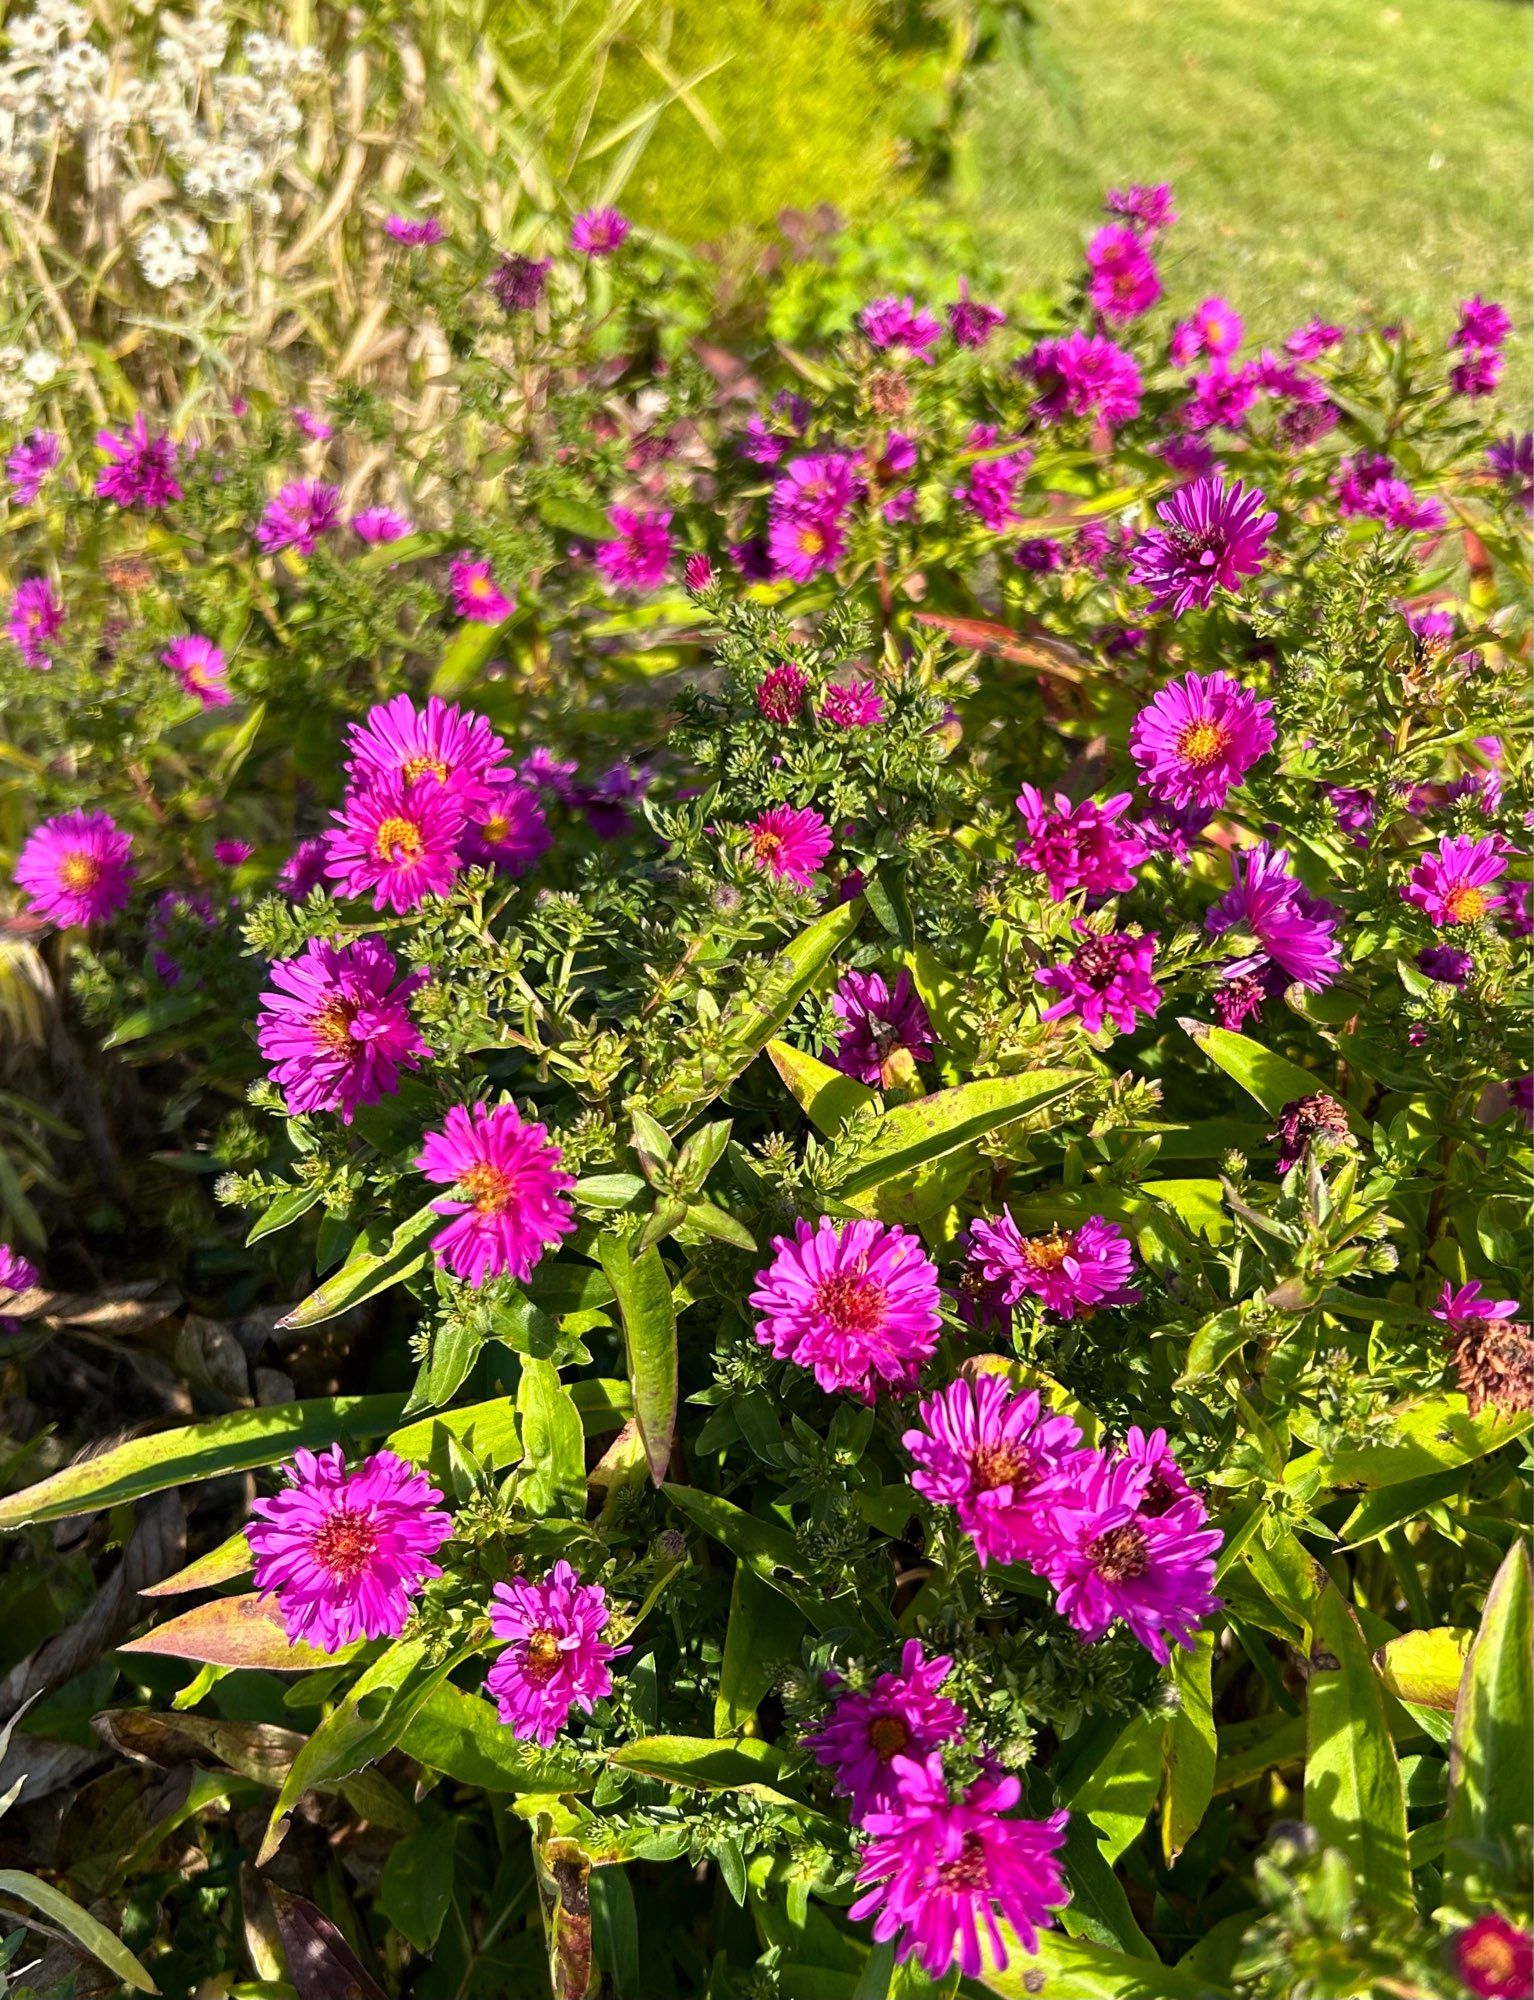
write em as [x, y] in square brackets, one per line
[1080, 846]
[36, 615]
[852, 705]
[1123, 282]
[1148, 208]
[508, 1202]
[335, 1029]
[1069, 1271]
[29, 463]
[802, 541]
[1494, 1958]
[201, 668]
[636, 559]
[1040, 553]
[300, 514]
[884, 1031]
[1455, 885]
[943, 1870]
[997, 1457]
[311, 425]
[381, 524]
[232, 853]
[451, 746]
[1482, 323]
[397, 840]
[1315, 338]
[990, 489]
[1106, 978]
[20, 1274]
[855, 1302]
[1511, 460]
[1083, 375]
[1198, 738]
[1295, 931]
[506, 830]
[1213, 536]
[517, 282]
[1477, 373]
[1220, 401]
[555, 1658]
[893, 322]
[76, 868]
[304, 868]
[1213, 328]
[1109, 1559]
[476, 594]
[698, 572]
[902, 1715]
[791, 842]
[1166, 1484]
[780, 692]
[597, 232]
[971, 323]
[345, 1552]
[141, 470]
[416, 232]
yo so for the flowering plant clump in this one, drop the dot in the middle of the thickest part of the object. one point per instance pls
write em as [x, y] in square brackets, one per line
[842, 1033]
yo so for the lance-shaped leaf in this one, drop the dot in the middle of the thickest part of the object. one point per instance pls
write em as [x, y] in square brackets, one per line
[1490, 1788]
[464, 661]
[1261, 1074]
[553, 1479]
[1425, 1667]
[1354, 1798]
[762, 1636]
[911, 1136]
[768, 1550]
[643, 1292]
[461, 1735]
[242, 1631]
[701, 1761]
[1067, 1968]
[1188, 1747]
[287, 1208]
[61, 1913]
[366, 1275]
[1425, 1438]
[230, 1559]
[323, 1965]
[826, 1097]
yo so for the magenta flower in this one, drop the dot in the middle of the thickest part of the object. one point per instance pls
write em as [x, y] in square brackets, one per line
[997, 1457]
[29, 464]
[1198, 738]
[476, 594]
[852, 705]
[1068, 1271]
[1456, 884]
[1040, 553]
[36, 615]
[381, 524]
[902, 1715]
[883, 1031]
[1123, 282]
[1220, 400]
[517, 282]
[416, 232]
[1079, 846]
[1302, 1123]
[990, 491]
[76, 868]
[790, 842]
[345, 1552]
[944, 1870]
[20, 1274]
[1476, 374]
[780, 692]
[310, 425]
[141, 470]
[1109, 1559]
[304, 868]
[1459, 1307]
[1483, 323]
[335, 1030]
[971, 323]
[508, 1202]
[1148, 208]
[1494, 1958]
[453, 747]
[697, 572]
[636, 559]
[506, 830]
[802, 541]
[1166, 1483]
[1213, 328]
[1511, 460]
[1295, 931]
[1315, 338]
[555, 1658]
[1106, 978]
[232, 853]
[597, 232]
[893, 322]
[201, 668]
[1213, 536]
[397, 840]
[1083, 375]
[300, 514]
[855, 1302]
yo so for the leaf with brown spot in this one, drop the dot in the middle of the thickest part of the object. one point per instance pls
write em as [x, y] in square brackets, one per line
[235, 1632]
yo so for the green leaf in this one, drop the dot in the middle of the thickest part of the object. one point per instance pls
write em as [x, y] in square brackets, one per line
[464, 661]
[1490, 1788]
[911, 1136]
[1353, 1793]
[770, 1552]
[826, 1097]
[553, 1443]
[1428, 1437]
[416, 1887]
[644, 1299]
[1263, 1075]
[575, 517]
[244, 1631]
[760, 1639]
[615, 1931]
[1119, 1792]
[1099, 1908]
[702, 1762]
[285, 1209]
[1425, 1667]
[169, 1011]
[461, 1736]
[455, 1348]
[1067, 1968]
[67, 1916]
[1188, 1747]
[230, 1559]
[366, 1275]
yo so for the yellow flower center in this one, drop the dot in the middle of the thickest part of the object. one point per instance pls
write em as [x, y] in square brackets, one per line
[1464, 905]
[1202, 742]
[1047, 1253]
[491, 1189]
[333, 1024]
[397, 839]
[80, 871]
[495, 829]
[542, 1657]
[345, 1543]
[424, 767]
[888, 1737]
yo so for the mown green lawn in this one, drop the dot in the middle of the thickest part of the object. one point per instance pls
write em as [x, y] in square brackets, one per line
[1328, 156]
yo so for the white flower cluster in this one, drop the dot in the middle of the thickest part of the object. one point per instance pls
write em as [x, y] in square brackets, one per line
[23, 372]
[168, 250]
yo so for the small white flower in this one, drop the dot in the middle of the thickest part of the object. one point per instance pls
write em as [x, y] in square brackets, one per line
[40, 367]
[32, 36]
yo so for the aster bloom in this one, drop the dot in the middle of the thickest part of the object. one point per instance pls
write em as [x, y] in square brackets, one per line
[1106, 978]
[1087, 846]
[1220, 401]
[1189, 455]
[990, 489]
[36, 615]
[1084, 375]
[997, 1456]
[1495, 1959]
[1148, 208]
[1213, 536]
[1460, 1306]
[415, 232]
[1295, 931]
[943, 1870]
[791, 842]
[1511, 460]
[451, 746]
[232, 853]
[970, 322]
[310, 425]
[698, 572]
[300, 514]
[1198, 738]
[1109, 1559]
[334, 1027]
[1213, 328]
[1483, 323]
[893, 322]
[555, 1658]
[597, 232]
[476, 594]
[140, 471]
[855, 1302]
[381, 524]
[884, 1030]
[506, 830]
[852, 705]
[606, 803]
[1456, 885]
[28, 464]
[1067, 1270]
[508, 1201]
[780, 692]
[803, 540]
[20, 1274]
[398, 841]
[1040, 553]
[1476, 374]
[1444, 965]
[1315, 338]
[76, 868]
[1123, 281]
[516, 284]
[636, 558]
[304, 868]
[345, 1552]
[201, 668]
[901, 1715]
[1302, 1122]
[1166, 1483]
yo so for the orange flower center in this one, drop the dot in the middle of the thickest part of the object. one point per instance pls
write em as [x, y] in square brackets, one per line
[1202, 742]
[1464, 905]
[80, 871]
[853, 1302]
[1000, 1465]
[811, 540]
[767, 844]
[888, 1737]
[542, 1657]
[1120, 1555]
[333, 1023]
[495, 829]
[345, 1543]
[1047, 1253]
[491, 1189]
[424, 766]
[397, 839]
[1491, 1956]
